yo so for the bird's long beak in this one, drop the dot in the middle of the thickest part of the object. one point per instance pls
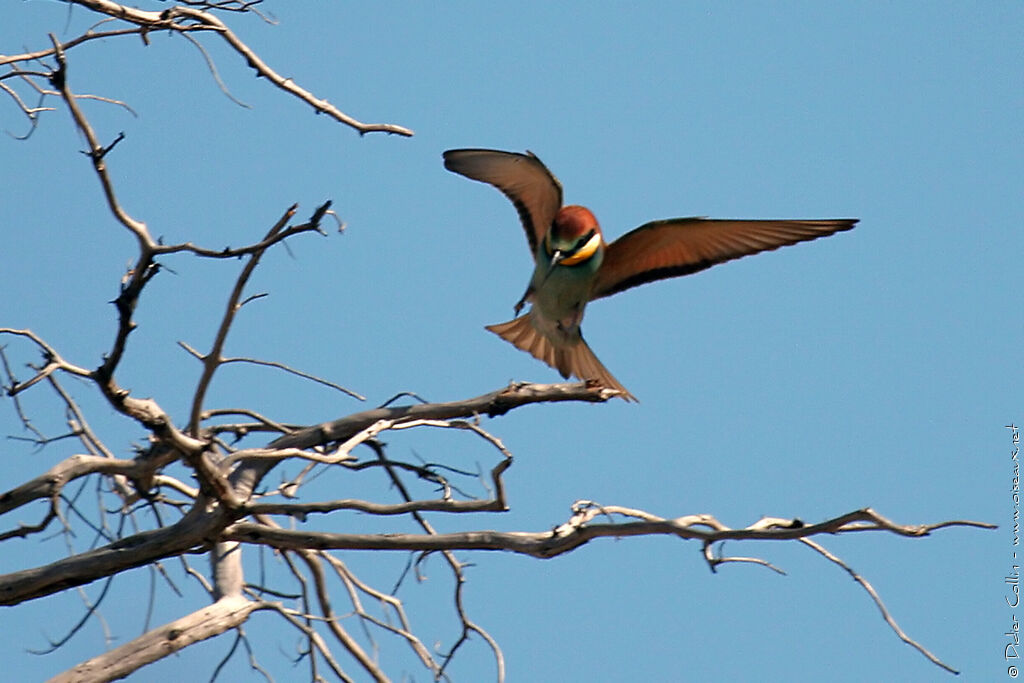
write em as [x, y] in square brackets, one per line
[556, 258]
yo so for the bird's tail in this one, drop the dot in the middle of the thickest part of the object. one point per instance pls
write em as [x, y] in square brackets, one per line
[574, 359]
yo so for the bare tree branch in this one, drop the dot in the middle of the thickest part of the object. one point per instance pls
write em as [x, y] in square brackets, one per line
[96, 153]
[353, 585]
[158, 643]
[213, 360]
[574, 533]
[185, 19]
[468, 626]
[193, 532]
[492, 404]
[303, 510]
[578, 531]
[323, 597]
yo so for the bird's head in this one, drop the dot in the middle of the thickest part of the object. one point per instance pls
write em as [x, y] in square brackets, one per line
[574, 237]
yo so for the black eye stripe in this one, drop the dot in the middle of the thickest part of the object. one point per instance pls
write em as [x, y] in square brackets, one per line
[582, 242]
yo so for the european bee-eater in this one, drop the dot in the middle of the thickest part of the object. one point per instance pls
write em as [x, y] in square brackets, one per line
[574, 265]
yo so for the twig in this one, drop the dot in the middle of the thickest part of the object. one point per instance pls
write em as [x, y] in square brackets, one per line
[12, 382]
[878, 603]
[279, 366]
[213, 71]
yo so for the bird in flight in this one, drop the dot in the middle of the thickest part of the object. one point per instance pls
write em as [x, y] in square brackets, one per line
[574, 265]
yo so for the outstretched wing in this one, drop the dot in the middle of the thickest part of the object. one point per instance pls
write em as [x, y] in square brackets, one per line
[535, 192]
[680, 246]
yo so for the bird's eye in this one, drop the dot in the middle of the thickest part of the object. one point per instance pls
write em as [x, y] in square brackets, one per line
[582, 242]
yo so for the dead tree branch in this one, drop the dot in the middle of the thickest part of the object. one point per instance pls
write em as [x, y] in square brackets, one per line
[184, 19]
[578, 531]
[210, 621]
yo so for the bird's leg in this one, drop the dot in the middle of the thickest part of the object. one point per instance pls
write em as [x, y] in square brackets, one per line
[522, 301]
[555, 258]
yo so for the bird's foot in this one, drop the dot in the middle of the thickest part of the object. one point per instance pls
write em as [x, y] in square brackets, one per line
[522, 302]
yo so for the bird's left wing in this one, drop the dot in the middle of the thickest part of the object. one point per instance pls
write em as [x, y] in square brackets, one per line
[532, 188]
[680, 246]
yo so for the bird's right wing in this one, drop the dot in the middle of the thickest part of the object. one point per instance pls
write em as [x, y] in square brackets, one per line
[532, 188]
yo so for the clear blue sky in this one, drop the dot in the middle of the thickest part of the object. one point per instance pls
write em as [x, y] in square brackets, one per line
[874, 368]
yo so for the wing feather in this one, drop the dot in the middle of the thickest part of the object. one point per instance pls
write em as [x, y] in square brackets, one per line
[523, 178]
[680, 246]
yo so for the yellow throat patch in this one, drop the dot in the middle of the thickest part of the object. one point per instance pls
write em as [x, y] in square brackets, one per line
[585, 252]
